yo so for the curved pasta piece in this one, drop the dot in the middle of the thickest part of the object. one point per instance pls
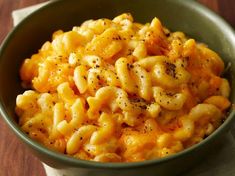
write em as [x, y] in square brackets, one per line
[38, 121]
[58, 116]
[202, 110]
[66, 93]
[124, 75]
[98, 76]
[164, 140]
[78, 117]
[45, 102]
[130, 118]
[151, 125]
[27, 106]
[213, 61]
[106, 130]
[109, 146]
[140, 51]
[59, 113]
[169, 74]
[224, 88]
[79, 77]
[165, 72]
[143, 80]
[38, 136]
[125, 104]
[187, 129]
[74, 59]
[95, 26]
[79, 137]
[219, 101]
[189, 48]
[58, 144]
[29, 68]
[167, 142]
[168, 101]
[78, 113]
[149, 62]
[104, 46]
[123, 17]
[27, 100]
[153, 110]
[40, 83]
[64, 128]
[92, 61]
[67, 42]
[93, 81]
[111, 78]
[105, 95]
[108, 157]
[197, 113]
[114, 97]
[155, 38]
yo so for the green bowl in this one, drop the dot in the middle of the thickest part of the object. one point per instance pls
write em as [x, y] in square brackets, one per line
[187, 16]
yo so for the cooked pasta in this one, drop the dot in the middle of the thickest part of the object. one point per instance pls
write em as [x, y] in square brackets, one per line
[121, 91]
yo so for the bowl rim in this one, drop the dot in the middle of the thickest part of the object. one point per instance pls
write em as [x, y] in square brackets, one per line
[92, 164]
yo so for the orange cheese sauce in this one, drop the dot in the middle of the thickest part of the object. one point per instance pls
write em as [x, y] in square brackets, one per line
[120, 91]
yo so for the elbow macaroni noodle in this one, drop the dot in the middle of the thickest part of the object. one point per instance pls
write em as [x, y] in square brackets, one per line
[120, 91]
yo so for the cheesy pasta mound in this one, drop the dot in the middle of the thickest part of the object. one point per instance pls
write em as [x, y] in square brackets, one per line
[120, 91]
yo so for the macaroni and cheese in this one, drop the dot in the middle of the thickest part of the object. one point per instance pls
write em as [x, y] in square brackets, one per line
[120, 91]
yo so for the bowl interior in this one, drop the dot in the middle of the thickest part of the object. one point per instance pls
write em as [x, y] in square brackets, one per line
[189, 17]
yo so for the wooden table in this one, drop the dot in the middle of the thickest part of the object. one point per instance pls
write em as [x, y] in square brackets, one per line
[15, 160]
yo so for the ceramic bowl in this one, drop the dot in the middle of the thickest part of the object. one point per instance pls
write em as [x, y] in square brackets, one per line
[178, 15]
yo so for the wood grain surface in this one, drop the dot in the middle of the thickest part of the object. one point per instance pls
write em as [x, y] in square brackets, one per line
[15, 160]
